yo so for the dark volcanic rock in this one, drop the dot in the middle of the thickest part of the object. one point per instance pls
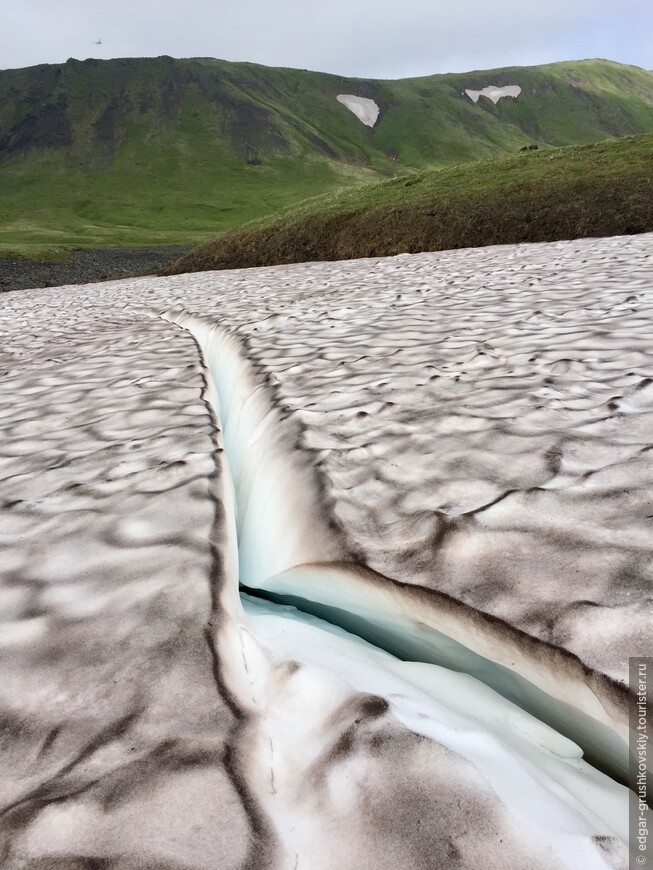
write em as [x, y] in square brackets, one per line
[47, 126]
[99, 264]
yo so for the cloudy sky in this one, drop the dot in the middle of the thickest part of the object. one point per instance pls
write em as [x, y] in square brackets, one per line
[371, 38]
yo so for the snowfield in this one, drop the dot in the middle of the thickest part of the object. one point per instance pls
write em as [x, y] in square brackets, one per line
[442, 460]
[366, 110]
[494, 93]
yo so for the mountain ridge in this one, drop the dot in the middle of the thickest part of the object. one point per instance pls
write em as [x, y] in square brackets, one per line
[162, 150]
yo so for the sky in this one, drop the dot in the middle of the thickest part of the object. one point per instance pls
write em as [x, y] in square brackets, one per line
[366, 38]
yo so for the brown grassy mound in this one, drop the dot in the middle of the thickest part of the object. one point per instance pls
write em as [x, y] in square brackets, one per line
[593, 190]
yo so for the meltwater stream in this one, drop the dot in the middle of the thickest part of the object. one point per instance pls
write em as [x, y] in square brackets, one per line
[307, 607]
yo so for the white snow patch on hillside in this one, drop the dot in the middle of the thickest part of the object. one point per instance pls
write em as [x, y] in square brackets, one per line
[494, 93]
[366, 110]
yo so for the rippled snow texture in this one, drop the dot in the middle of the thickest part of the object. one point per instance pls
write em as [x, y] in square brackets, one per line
[111, 724]
[483, 423]
[483, 419]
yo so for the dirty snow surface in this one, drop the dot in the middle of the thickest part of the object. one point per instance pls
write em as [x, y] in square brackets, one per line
[366, 110]
[443, 460]
[494, 93]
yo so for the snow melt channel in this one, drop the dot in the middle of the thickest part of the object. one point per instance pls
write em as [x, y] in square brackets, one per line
[287, 551]
[286, 547]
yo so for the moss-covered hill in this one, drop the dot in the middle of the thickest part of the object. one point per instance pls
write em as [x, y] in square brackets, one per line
[563, 193]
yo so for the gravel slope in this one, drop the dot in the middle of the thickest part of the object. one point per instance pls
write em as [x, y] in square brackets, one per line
[97, 264]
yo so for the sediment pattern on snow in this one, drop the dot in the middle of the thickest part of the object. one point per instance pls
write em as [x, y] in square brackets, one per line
[111, 722]
[483, 420]
[285, 521]
[480, 422]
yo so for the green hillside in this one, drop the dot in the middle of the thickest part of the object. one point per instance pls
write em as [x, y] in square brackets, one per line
[602, 189]
[147, 151]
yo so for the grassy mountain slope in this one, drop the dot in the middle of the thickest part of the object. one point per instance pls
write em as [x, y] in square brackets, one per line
[590, 190]
[144, 151]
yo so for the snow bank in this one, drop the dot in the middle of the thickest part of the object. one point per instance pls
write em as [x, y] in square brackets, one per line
[473, 421]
